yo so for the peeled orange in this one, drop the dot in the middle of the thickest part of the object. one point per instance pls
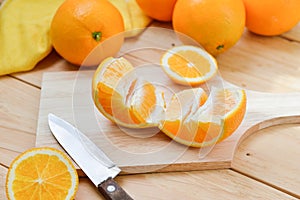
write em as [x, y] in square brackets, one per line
[189, 65]
[216, 25]
[192, 122]
[271, 17]
[41, 173]
[80, 25]
[123, 97]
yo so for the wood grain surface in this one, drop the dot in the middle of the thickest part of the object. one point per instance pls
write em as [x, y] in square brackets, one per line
[137, 151]
[265, 165]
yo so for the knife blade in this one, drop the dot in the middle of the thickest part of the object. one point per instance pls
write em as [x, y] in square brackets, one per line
[91, 159]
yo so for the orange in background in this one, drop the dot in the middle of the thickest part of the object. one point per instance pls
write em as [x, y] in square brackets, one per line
[79, 26]
[271, 17]
[161, 10]
[215, 25]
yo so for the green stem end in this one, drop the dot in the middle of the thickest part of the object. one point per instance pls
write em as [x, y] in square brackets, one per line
[97, 36]
[221, 46]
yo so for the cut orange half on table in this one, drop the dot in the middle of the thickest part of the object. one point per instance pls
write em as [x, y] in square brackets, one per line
[123, 97]
[188, 65]
[41, 173]
[204, 124]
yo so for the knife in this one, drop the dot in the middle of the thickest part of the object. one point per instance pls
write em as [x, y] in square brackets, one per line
[92, 160]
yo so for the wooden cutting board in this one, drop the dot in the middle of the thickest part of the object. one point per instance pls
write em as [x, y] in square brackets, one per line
[68, 95]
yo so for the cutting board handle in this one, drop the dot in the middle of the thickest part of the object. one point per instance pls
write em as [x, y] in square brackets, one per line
[269, 109]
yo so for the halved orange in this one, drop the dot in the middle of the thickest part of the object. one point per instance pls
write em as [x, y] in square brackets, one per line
[122, 96]
[206, 124]
[189, 65]
[41, 173]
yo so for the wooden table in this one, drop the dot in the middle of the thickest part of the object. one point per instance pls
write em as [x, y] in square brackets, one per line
[265, 166]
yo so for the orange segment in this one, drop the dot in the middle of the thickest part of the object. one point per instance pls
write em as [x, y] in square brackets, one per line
[233, 109]
[208, 123]
[41, 173]
[147, 95]
[177, 123]
[122, 96]
[188, 65]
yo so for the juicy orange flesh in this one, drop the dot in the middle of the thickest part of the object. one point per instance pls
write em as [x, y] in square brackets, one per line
[181, 105]
[224, 102]
[147, 101]
[114, 72]
[42, 174]
[202, 131]
[233, 120]
[177, 111]
[111, 100]
[112, 103]
[191, 131]
[189, 64]
[114, 93]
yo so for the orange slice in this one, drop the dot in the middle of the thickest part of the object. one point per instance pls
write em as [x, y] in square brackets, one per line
[230, 103]
[188, 65]
[123, 97]
[41, 173]
[204, 124]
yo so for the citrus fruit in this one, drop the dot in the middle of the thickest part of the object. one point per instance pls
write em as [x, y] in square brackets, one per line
[158, 9]
[123, 97]
[79, 26]
[41, 173]
[189, 65]
[271, 17]
[216, 25]
[190, 121]
[230, 104]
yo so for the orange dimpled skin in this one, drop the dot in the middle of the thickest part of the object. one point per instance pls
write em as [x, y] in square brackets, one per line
[79, 26]
[271, 17]
[216, 25]
[161, 10]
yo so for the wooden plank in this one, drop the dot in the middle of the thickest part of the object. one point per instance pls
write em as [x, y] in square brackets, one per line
[19, 104]
[272, 155]
[267, 64]
[3, 172]
[294, 34]
[121, 148]
[134, 151]
[7, 156]
[211, 184]
[17, 100]
[260, 112]
[53, 62]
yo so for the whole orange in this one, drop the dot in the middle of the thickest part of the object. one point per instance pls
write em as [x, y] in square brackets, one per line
[271, 17]
[216, 25]
[161, 10]
[80, 25]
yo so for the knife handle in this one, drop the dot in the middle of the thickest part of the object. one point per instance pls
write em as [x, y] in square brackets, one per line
[112, 191]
